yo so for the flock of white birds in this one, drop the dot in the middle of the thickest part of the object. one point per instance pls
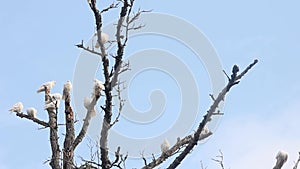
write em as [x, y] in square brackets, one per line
[54, 101]
[55, 98]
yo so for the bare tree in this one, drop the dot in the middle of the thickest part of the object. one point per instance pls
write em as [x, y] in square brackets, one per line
[63, 157]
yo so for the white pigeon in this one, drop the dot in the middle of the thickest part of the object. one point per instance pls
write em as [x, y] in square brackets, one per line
[31, 111]
[56, 96]
[67, 89]
[165, 146]
[281, 159]
[87, 104]
[204, 132]
[47, 85]
[104, 39]
[18, 107]
[98, 87]
[54, 101]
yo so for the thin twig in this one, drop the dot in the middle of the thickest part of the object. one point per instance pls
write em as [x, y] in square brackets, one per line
[90, 162]
[112, 6]
[125, 21]
[202, 166]
[117, 157]
[220, 159]
[81, 46]
[296, 164]
[121, 104]
[226, 75]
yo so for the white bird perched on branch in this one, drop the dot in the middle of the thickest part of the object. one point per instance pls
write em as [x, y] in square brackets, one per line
[165, 146]
[67, 89]
[31, 111]
[18, 107]
[54, 101]
[281, 159]
[98, 87]
[56, 96]
[47, 85]
[88, 106]
[104, 39]
[205, 131]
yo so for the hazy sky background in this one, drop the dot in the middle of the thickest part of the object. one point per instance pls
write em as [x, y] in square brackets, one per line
[261, 113]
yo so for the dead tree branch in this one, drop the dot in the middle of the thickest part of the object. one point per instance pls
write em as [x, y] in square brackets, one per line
[117, 163]
[173, 150]
[121, 104]
[107, 75]
[86, 122]
[108, 89]
[89, 164]
[40, 122]
[220, 159]
[125, 21]
[68, 151]
[232, 81]
[120, 51]
[81, 46]
[52, 113]
[112, 6]
[191, 140]
[202, 166]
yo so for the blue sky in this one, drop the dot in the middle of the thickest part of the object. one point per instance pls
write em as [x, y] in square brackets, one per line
[261, 113]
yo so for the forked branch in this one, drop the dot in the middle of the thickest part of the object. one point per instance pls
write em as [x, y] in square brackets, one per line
[220, 159]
